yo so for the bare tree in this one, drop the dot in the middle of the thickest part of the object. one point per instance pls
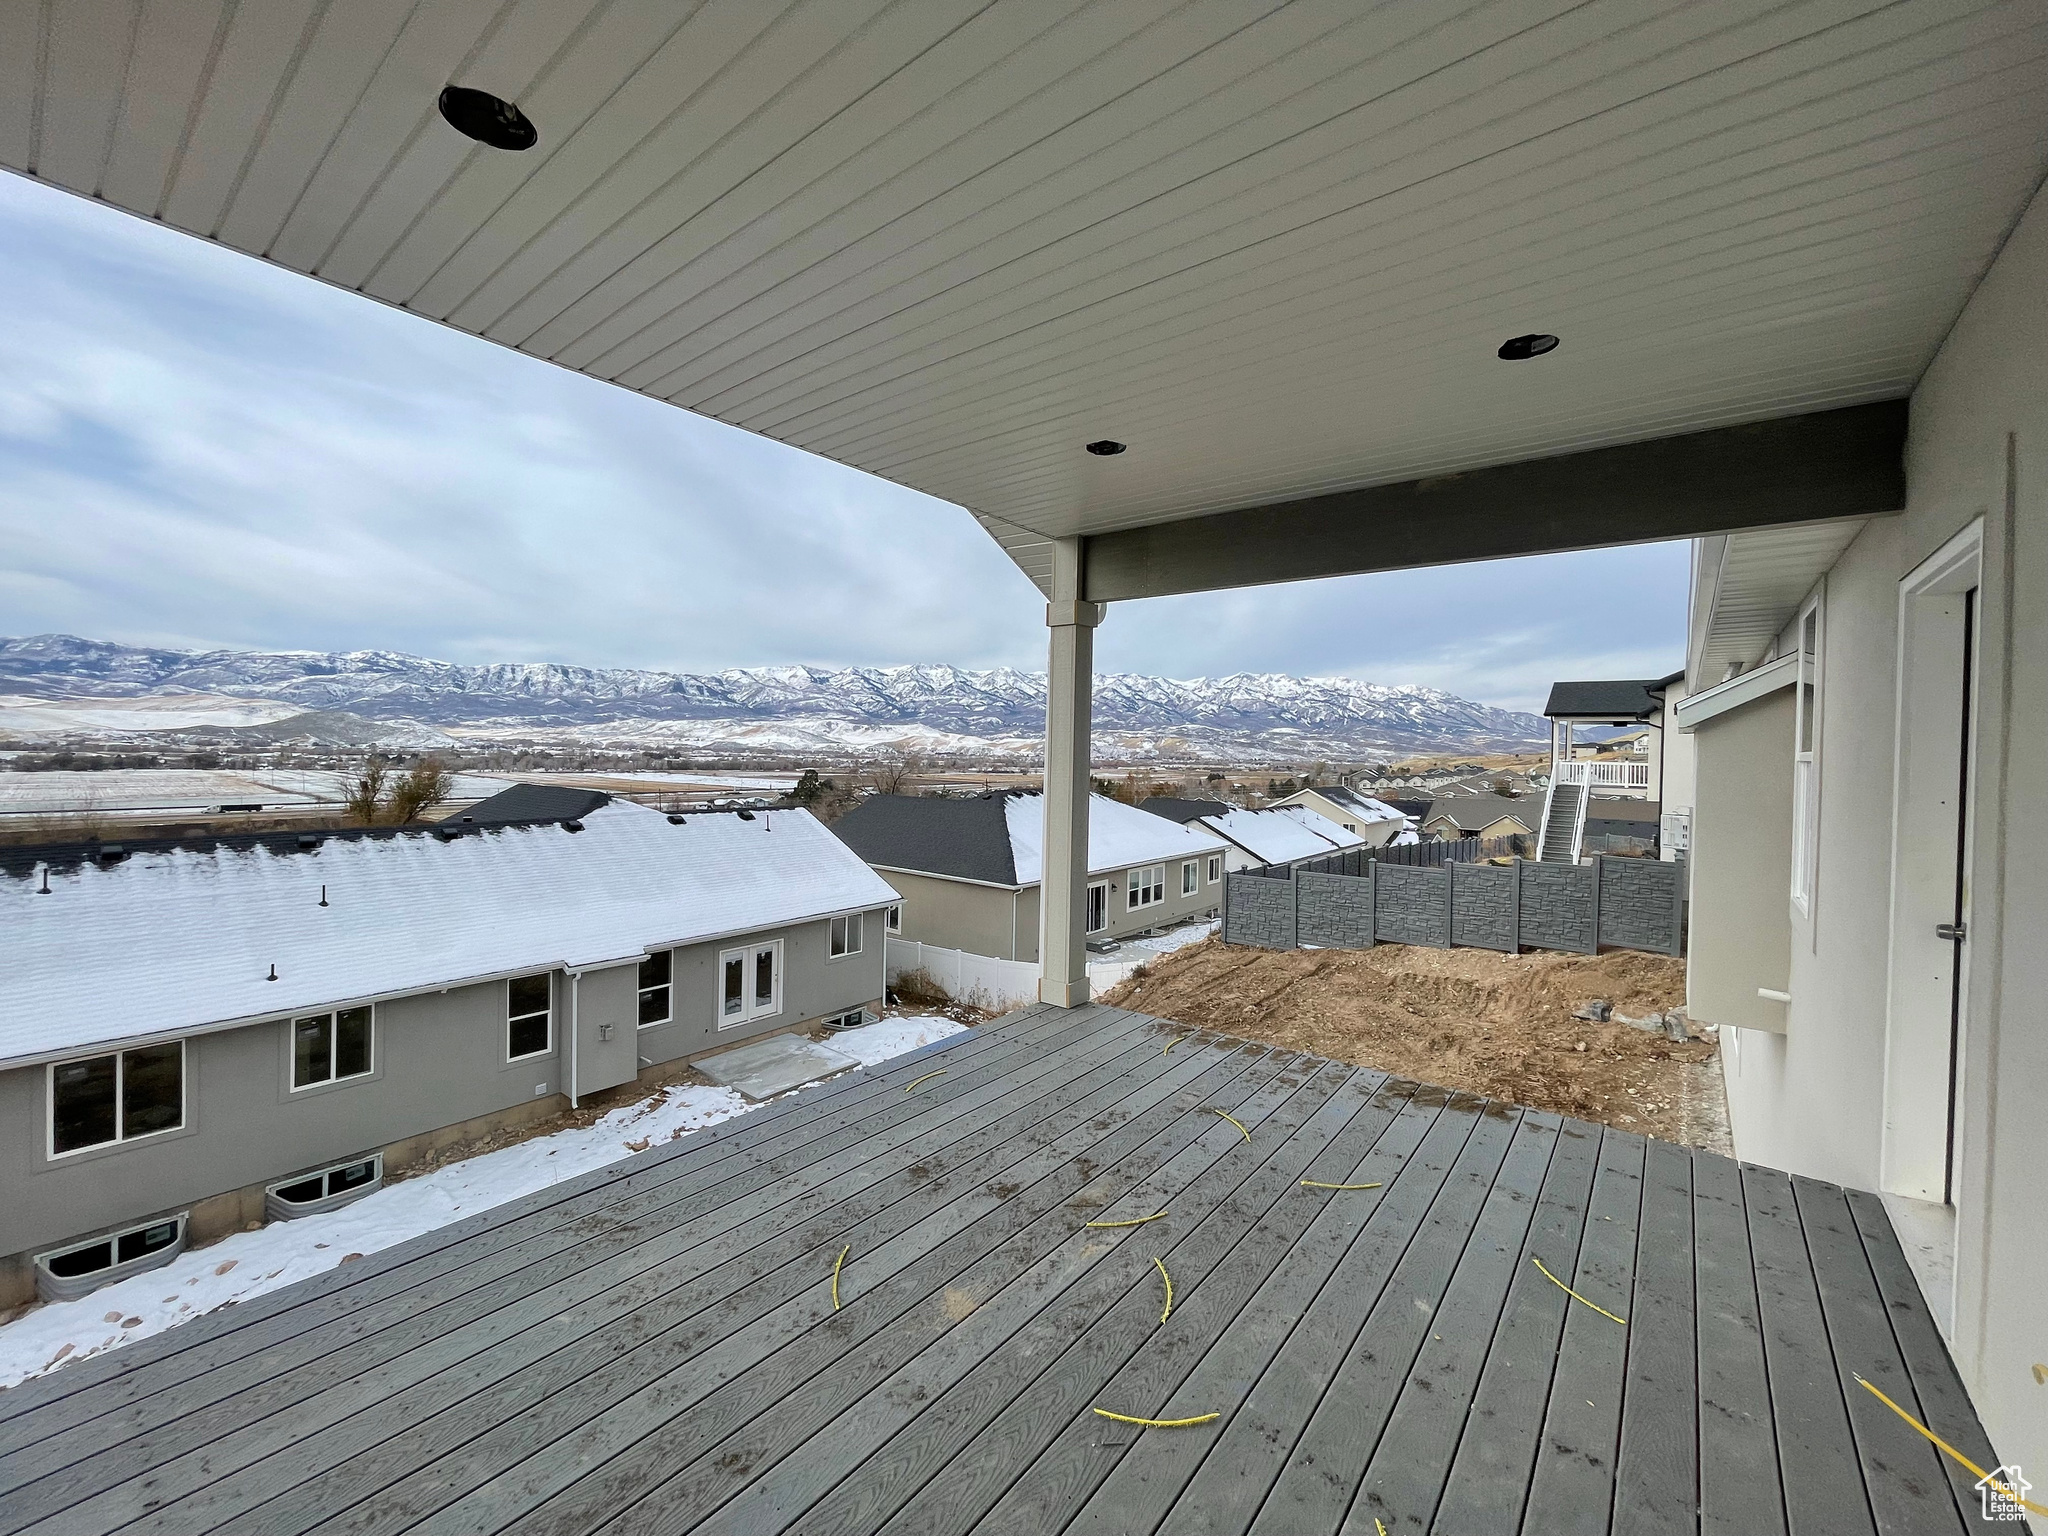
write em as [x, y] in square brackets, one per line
[426, 783]
[894, 774]
[366, 792]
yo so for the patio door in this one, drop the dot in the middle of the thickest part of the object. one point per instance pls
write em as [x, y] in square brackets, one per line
[1928, 1023]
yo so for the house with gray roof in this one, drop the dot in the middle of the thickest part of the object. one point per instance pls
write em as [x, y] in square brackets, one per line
[200, 1032]
[1374, 821]
[969, 868]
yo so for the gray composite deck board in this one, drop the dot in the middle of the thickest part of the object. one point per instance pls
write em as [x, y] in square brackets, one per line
[508, 1312]
[653, 1348]
[345, 1297]
[1740, 1492]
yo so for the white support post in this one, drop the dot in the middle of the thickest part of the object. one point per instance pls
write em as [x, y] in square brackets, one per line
[1070, 674]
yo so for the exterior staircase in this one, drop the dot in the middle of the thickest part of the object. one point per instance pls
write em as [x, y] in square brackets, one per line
[1564, 822]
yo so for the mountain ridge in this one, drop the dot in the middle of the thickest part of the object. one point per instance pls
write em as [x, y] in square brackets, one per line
[1332, 714]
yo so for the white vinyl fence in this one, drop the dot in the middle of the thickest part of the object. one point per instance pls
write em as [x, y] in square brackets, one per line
[1001, 983]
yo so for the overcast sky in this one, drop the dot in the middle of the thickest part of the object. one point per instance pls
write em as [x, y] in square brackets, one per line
[199, 450]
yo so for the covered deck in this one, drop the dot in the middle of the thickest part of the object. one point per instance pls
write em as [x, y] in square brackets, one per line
[656, 1347]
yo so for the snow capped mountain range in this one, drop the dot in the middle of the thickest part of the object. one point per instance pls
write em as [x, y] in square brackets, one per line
[769, 709]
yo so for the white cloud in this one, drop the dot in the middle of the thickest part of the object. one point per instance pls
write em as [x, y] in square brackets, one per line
[196, 448]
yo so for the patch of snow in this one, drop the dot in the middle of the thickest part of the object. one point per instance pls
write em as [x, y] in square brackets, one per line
[875, 1043]
[1175, 938]
[248, 1264]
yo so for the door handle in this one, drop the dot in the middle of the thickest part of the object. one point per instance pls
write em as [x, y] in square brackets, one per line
[1955, 932]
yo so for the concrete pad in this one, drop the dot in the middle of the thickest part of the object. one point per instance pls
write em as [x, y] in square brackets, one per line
[761, 1069]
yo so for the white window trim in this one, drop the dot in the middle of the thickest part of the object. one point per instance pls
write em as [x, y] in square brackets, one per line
[1191, 877]
[291, 1037]
[892, 918]
[1215, 867]
[1806, 764]
[668, 986]
[1149, 877]
[549, 1049]
[1093, 887]
[855, 927]
[120, 1110]
[750, 1011]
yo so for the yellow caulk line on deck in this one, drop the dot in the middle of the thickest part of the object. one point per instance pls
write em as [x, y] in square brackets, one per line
[1226, 1114]
[835, 1274]
[1943, 1446]
[1135, 1221]
[1319, 1184]
[925, 1079]
[1161, 1265]
[1575, 1296]
[1125, 1418]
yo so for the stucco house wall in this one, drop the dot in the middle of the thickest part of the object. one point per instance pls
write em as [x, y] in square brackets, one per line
[1813, 1099]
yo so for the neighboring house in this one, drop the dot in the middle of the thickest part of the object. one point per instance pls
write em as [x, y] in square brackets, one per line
[1377, 822]
[969, 868]
[191, 1023]
[1639, 702]
[1280, 834]
[1183, 811]
[1455, 816]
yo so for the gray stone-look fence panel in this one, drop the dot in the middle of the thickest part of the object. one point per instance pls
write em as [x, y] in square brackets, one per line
[1333, 911]
[1485, 911]
[1258, 912]
[1560, 906]
[1412, 906]
[1642, 904]
[1625, 902]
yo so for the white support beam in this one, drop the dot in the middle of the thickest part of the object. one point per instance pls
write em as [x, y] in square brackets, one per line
[1070, 676]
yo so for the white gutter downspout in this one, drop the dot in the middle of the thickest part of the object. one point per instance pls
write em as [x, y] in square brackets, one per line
[575, 984]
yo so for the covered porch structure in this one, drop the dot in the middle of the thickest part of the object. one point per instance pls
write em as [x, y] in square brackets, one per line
[1175, 298]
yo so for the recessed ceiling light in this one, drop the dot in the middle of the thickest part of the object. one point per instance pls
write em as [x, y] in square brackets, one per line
[1516, 348]
[1105, 449]
[486, 118]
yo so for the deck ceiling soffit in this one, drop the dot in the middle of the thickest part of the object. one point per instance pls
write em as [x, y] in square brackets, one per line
[1272, 248]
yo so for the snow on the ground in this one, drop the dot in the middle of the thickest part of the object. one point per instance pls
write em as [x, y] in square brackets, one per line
[876, 1043]
[1176, 938]
[248, 1264]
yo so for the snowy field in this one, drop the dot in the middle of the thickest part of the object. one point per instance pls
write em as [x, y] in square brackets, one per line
[248, 1264]
[111, 790]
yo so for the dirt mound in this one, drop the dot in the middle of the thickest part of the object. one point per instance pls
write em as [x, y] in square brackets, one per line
[1495, 1024]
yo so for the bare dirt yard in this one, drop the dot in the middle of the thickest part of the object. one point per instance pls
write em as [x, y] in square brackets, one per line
[1495, 1024]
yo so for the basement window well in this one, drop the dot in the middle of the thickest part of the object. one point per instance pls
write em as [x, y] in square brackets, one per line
[329, 1189]
[65, 1274]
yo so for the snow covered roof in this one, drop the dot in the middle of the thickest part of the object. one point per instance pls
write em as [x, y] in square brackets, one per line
[1367, 808]
[1119, 836]
[1282, 834]
[998, 839]
[175, 940]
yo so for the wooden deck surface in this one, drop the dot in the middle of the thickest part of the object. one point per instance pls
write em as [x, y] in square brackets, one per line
[654, 1348]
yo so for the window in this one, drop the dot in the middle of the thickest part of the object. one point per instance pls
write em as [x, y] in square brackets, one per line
[1806, 759]
[892, 919]
[846, 935]
[1215, 867]
[121, 1096]
[1098, 906]
[529, 1016]
[326, 1189]
[327, 1047]
[1148, 887]
[654, 984]
[1191, 877]
[749, 984]
[83, 1267]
